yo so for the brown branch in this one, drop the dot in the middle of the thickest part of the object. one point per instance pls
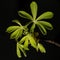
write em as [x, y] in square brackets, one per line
[52, 42]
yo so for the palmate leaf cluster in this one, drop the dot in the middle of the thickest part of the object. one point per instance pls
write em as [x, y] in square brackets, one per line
[25, 34]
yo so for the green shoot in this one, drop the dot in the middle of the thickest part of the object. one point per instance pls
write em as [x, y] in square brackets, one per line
[25, 34]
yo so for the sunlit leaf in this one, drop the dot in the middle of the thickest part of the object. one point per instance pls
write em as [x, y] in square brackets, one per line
[45, 15]
[32, 41]
[47, 25]
[19, 34]
[24, 15]
[26, 43]
[18, 51]
[24, 47]
[13, 35]
[34, 7]
[12, 28]
[16, 21]
[23, 39]
[42, 29]
[23, 51]
[32, 28]
[41, 48]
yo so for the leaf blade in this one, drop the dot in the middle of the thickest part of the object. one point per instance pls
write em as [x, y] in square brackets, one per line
[45, 15]
[11, 29]
[32, 41]
[23, 39]
[47, 25]
[18, 52]
[19, 34]
[32, 28]
[16, 21]
[13, 35]
[34, 8]
[41, 48]
[23, 51]
[24, 47]
[26, 43]
[41, 28]
[24, 15]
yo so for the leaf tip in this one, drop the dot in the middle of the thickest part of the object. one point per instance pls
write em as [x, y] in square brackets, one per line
[33, 2]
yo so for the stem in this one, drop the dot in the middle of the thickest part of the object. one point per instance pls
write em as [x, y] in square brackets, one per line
[16, 21]
[28, 23]
[52, 42]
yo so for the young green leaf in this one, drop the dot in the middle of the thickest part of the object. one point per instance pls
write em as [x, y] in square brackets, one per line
[32, 28]
[34, 7]
[19, 34]
[41, 48]
[13, 35]
[24, 47]
[12, 28]
[23, 39]
[42, 29]
[45, 15]
[26, 43]
[24, 15]
[23, 51]
[18, 51]
[32, 41]
[16, 21]
[47, 25]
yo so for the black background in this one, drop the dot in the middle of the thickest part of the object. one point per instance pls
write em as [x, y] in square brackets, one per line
[8, 12]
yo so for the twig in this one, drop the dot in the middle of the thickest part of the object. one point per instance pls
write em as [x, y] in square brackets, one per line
[52, 42]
